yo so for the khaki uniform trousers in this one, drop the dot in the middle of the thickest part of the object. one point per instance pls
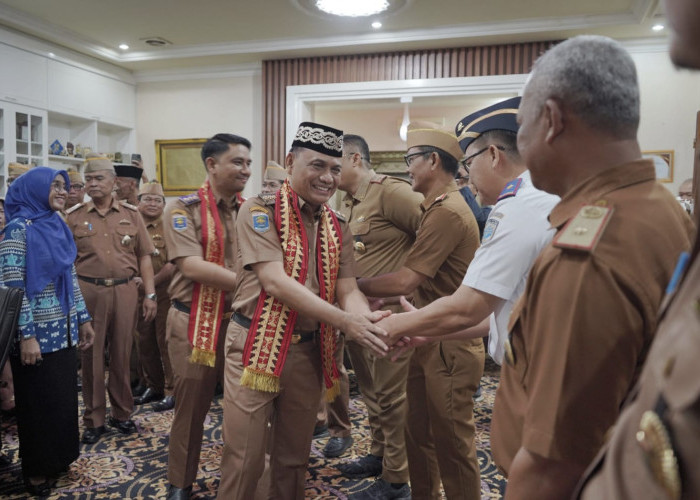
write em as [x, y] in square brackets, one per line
[292, 412]
[153, 349]
[382, 383]
[193, 389]
[442, 379]
[113, 310]
[336, 413]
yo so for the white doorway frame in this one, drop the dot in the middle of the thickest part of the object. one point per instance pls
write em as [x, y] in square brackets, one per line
[301, 98]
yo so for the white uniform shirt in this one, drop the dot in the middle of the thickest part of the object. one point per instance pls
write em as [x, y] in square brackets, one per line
[516, 231]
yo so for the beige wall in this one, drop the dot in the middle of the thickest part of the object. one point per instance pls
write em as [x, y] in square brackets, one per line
[200, 108]
[188, 109]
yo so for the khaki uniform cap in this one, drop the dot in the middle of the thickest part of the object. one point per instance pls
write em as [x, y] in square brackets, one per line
[275, 172]
[152, 188]
[75, 177]
[97, 163]
[16, 169]
[430, 134]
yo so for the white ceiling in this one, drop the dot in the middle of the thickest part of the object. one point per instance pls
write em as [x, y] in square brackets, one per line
[222, 33]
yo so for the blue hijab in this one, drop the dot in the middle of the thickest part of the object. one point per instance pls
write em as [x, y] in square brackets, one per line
[51, 250]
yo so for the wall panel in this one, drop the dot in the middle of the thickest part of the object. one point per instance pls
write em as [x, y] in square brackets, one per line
[438, 63]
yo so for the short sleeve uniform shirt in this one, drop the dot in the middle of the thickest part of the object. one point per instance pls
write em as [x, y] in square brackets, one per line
[256, 244]
[582, 329]
[515, 233]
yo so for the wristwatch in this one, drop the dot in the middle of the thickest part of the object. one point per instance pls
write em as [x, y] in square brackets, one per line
[151, 296]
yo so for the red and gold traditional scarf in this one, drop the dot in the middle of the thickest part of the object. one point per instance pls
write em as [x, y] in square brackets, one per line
[273, 322]
[207, 302]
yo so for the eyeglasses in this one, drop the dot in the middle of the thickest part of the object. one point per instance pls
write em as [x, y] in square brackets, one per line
[58, 187]
[76, 187]
[467, 162]
[409, 158]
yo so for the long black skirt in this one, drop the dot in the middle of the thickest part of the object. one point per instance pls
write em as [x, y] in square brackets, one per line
[46, 399]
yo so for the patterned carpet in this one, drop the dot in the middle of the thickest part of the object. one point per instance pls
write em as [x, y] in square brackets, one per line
[134, 467]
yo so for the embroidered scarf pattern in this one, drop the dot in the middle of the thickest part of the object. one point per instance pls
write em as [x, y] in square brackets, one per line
[273, 323]
[207, 302]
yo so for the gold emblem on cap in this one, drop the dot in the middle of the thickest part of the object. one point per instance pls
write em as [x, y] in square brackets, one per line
[359, 247]
[508, 353]
[656, 444]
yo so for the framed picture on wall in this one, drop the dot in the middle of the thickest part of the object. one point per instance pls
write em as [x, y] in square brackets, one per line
[663, 163]
[389, 163]
[179, 165]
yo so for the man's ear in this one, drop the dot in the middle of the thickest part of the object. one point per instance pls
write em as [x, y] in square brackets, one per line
[209, 163]
[289, 162]
[554, 116]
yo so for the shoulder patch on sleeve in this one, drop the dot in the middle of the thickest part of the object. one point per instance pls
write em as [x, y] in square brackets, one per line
[268, 198]
[74, 208]
[584, 231]
[511, 189]
[190, 199]
[179, 220]
[123, 203]
[261, 221]
[490, 229]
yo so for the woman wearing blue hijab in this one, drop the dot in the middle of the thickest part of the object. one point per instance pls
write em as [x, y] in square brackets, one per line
[37, 252]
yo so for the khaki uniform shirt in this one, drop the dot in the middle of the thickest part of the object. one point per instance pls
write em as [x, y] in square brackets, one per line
[582, 329]
[256, 246]
[160, 257]
[669, 388]
[182, 230]
[109, 246]
[445, 244]
[384, 215]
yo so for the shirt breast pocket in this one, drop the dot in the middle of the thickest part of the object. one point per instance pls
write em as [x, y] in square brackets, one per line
[126, 235]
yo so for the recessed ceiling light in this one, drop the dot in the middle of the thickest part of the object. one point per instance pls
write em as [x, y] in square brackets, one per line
[376, 25]
[356, 8]
[123, 46]
[657, 27]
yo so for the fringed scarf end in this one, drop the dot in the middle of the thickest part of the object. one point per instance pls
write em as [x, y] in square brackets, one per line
[202, 357]
[265, 382]
[333, 391]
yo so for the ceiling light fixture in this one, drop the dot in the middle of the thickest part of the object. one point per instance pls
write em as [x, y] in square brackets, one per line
[403, 129]
[657, 27]
[356, 8]
[123, 46]
[376, 25]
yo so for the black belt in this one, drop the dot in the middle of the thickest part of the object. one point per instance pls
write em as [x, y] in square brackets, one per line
[297, 338]
[186, 309]
[105, 281]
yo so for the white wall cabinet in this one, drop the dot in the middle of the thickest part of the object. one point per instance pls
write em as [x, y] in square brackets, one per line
[24, 131]
[43, 100]
[23, 79]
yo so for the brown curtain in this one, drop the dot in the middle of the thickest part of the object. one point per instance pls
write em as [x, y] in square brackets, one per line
[439, 63]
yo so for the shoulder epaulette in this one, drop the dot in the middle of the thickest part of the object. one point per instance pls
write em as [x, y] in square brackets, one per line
[340, 216]
[189, 199]
[511, 189]
[379, 179]
[128, 205]
[268, 198]
[74, 208]
[584, 231]
[441, 197]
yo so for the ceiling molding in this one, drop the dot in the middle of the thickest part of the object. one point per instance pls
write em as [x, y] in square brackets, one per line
[202, 73]
[639, 12]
